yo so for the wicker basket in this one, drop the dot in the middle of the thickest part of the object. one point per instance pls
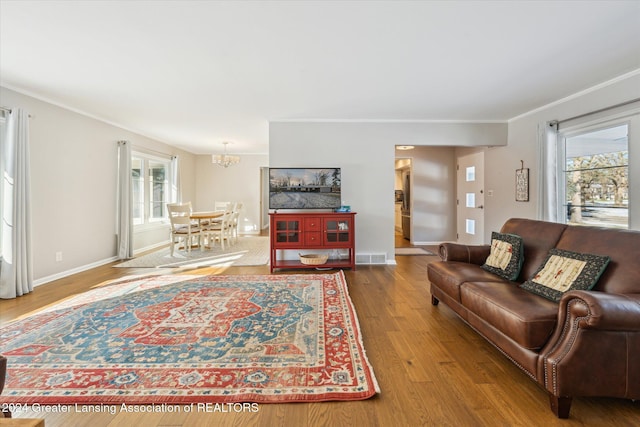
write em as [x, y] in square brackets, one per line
[314, 259]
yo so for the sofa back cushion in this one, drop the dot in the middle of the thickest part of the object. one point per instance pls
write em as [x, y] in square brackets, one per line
[538, 238]
[506, 256]
[564, 271]
[623, 248]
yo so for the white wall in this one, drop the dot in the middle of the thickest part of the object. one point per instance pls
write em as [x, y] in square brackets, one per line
[73, 183]
[433, 195]
[239, 183]
[366, 151]
[502, 162]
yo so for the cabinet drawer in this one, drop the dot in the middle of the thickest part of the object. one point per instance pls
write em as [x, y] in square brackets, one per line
[312, 224]
[313, 238]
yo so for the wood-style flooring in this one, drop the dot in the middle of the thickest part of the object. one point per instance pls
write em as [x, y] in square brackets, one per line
[433, 370]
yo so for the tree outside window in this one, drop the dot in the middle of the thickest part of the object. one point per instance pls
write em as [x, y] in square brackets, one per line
[137, 183]
[158, 192]
[597, 178]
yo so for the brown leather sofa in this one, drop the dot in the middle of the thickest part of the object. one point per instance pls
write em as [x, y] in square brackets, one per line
[588, 344]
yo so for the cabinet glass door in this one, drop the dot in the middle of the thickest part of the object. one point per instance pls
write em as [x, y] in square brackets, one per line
[288, 231]
[338, 231]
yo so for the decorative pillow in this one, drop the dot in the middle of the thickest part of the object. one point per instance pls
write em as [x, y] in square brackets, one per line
[506, 257]
[563, 271]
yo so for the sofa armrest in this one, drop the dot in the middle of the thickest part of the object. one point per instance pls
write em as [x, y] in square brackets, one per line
[601, 310]
[473, 254]
[593, 350]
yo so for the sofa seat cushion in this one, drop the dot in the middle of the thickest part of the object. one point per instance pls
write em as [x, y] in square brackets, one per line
[449, 275]
[526, 318]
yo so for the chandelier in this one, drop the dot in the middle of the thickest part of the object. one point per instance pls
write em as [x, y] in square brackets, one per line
[225, 160]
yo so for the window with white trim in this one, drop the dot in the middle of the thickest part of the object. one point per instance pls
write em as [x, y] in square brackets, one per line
[150, 188]
[595, 176]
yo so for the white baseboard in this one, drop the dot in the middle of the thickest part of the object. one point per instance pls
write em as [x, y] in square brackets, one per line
[63, 274]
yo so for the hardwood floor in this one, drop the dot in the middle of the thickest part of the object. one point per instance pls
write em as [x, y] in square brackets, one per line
[401, 242]
[433, 370]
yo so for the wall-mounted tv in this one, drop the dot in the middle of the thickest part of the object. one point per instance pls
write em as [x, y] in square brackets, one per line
[304, 188]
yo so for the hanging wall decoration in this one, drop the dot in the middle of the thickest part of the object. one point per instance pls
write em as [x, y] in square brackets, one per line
[522, 183]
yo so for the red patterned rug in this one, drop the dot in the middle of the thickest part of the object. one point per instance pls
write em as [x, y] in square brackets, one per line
[192, 339]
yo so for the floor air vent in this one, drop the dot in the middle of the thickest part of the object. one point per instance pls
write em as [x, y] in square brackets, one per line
[371, 258]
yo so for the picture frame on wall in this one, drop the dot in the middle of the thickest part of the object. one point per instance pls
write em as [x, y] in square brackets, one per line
[522, 185]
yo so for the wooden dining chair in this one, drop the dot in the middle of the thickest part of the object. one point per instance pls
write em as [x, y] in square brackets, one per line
[221, 206]
[183, 228]
[234, 223]
[216, 230]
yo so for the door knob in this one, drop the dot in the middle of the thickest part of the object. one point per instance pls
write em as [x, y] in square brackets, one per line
[480, 207]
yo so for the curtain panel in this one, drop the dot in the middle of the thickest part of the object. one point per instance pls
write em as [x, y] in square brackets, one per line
[548, 178]
[176, 190]
[16, 268]
[124, 215]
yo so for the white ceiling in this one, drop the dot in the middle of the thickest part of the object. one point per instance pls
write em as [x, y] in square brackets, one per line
[196, 73]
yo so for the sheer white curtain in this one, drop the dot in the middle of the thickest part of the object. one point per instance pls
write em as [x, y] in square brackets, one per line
[124, 222]
[176, 191]
[548, 178]
[16, 267]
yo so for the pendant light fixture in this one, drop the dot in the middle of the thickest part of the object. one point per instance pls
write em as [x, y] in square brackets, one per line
[225, 160]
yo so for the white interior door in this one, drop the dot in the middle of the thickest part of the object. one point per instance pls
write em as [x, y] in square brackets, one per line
[471, 199]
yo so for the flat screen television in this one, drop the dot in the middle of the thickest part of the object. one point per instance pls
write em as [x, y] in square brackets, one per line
[304, 188]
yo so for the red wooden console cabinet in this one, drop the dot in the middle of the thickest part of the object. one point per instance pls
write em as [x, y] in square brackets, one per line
[323, 231]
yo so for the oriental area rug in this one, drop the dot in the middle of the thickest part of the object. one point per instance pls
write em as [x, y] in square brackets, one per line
[179, 339]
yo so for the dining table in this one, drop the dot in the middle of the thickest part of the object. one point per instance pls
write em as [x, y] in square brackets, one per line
[204, 215]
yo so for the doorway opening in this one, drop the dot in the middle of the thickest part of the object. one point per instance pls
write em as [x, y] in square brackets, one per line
[403, 182]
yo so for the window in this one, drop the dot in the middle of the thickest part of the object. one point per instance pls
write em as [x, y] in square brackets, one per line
[471, 173]
[150, 188]
[596, 177]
